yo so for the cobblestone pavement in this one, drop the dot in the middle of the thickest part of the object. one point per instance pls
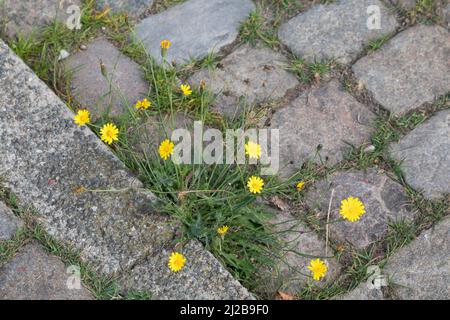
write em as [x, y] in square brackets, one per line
[321, 122]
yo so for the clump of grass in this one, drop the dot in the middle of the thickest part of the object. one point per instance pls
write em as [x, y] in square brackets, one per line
[308, 72]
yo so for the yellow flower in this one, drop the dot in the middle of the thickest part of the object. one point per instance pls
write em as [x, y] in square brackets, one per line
[186, 89]
[166, 149]
[352, 209]
[318, 268]
[222, 230]
[82, 117]
[255, 184]
[109, 133]
[143, 104]
[165, 44]
[300, 186]
[176, 261]
[253, 150]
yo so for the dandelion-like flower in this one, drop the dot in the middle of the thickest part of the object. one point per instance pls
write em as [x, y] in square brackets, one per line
[176, 261]
[253, 150]
[166, 149]
[82, 118]
[186, 89]
[222, 230]
[165, 44]
[143, 104]
[109, 133]
[352, 209]
[255, 184]
[318, 269]
[300, 186]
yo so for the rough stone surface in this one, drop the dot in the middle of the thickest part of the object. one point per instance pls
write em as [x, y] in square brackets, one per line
[9, 223]
[362, 292]
[194, 280]
[23, 17]
[33, 274]
[326, 116]
[384, 201]
[247, 76]
[420, 270]
[195, 28]
[411, 69]
[51, 164]
[291, 273]
[132, 7]
[95, 92]
[335, 31]
[425, 156]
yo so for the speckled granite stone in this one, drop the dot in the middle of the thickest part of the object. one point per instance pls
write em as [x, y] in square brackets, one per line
[34, 274]
[202, 277]
[25, 16]
[421, 269]
[195, 28]
[247, 76]
[411, 69]
[111, 95]
[335, 31]
[424, 156]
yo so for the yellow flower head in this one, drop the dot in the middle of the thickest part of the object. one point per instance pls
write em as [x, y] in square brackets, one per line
[165, 44]
[176, 261]
[255, 184]
[222, 230]
[318, 269]
[352, 209]
[82, 117]
[253, 150]
[143, 104]
[166, 149]
[300, 186]
[109, 133]
[186, 89]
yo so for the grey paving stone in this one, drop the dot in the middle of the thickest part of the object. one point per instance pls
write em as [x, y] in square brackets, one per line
[195, 28]
[33, 274]
[247, 76]
[133, 8]
[47, 160]
[411, 69]
[421, 269]
[335, 31]
[424, 154]
[291, 273]
[326, 117]
[9, 223]
[24, 17]
[384, 201]
[362, 292]
[123, 86]
[194, 280]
